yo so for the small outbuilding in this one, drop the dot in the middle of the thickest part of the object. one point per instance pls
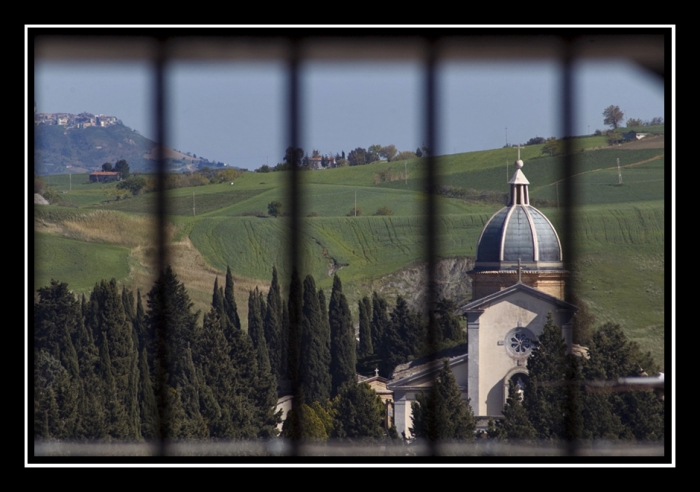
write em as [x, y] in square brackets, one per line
[103, 176]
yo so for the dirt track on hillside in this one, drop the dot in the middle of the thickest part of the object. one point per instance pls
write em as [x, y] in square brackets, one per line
[655, 142]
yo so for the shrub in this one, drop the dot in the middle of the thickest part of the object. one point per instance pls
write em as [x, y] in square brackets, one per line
[313, 214]
[352, 213]
[274, 209]
[384, 210]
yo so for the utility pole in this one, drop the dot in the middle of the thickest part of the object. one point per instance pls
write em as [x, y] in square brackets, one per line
[405, 172]
[619, 172]
[193, 207]
[70, 180]
[355, 203]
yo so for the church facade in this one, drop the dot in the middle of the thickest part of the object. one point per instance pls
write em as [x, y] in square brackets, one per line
[518, 279]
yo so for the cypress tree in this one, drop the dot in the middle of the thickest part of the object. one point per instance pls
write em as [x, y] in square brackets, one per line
[188, 387]
[148, 408]
[399, 338]
[171, 326]
[217, 298]
[515, 424]
[284, 342]
[342, 333]
[294, 328]
[364, 348]
[265, 383]
[122, 354]
[272, 326]
[450, 325]
[315, 358]
[116, 424]
[380, 320]
[224, 393]
[255, 319]
[128, 302]
[57, 315]
[230, 300]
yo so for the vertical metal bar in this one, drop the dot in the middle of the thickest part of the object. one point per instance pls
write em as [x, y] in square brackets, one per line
[572, 428]
[431, 203]
[294, 225]
[162, 259]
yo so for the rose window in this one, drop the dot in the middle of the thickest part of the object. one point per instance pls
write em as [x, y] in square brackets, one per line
[519, 343]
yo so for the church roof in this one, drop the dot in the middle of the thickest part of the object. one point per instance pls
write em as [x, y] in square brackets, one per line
[416, 369]
[518, 287]
[518, 232]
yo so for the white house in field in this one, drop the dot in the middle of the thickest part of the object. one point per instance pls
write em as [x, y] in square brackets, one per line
[517, 280]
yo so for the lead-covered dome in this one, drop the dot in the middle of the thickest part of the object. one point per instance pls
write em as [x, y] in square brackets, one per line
[518, 232]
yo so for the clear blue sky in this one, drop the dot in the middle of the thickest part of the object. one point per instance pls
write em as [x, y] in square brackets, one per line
[235, 113]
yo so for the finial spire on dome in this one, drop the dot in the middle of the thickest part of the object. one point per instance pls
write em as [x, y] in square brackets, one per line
[519, 194]
[519, 163]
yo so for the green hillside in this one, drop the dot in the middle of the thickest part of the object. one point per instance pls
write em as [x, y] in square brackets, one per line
[619, 233]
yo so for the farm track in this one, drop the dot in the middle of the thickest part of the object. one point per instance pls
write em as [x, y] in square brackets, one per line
[633, 164]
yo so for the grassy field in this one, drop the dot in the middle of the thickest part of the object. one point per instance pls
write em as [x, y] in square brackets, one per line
[619, 232]
[75, 262]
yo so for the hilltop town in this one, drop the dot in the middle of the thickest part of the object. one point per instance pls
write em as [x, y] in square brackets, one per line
[82, 120]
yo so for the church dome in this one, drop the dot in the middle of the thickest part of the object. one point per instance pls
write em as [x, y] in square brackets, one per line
[518, 233]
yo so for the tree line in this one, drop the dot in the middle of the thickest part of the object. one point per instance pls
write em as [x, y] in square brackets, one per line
[105, 367]
[295, 156]
[565, 398]
[109, 366]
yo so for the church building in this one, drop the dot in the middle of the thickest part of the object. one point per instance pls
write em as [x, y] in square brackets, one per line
[517, 280]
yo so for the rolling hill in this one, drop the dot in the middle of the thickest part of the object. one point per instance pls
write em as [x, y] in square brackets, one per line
[619, 231]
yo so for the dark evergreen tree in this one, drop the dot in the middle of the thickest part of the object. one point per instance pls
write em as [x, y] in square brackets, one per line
[284, 342]
[342, 334]
[515, 425]
[148, 408]
[140, 324]
[272, 326]
[91, 407]
[545, 394]
[294, 325]
[359, 412]
[172, 326]
[128, 302]
[315, 358]
[230, 300]
[640, 413]
[451, 327]
[188, 387]
[380, 320]
[256, 314]
[401, 338]
[365, 348]
[224, 405]
[303, 425]
[56, 398]
[57, 316]
[441, 414]
[115, 335]
[115, 414]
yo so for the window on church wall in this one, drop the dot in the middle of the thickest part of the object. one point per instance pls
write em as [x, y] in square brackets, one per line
[243, 96]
